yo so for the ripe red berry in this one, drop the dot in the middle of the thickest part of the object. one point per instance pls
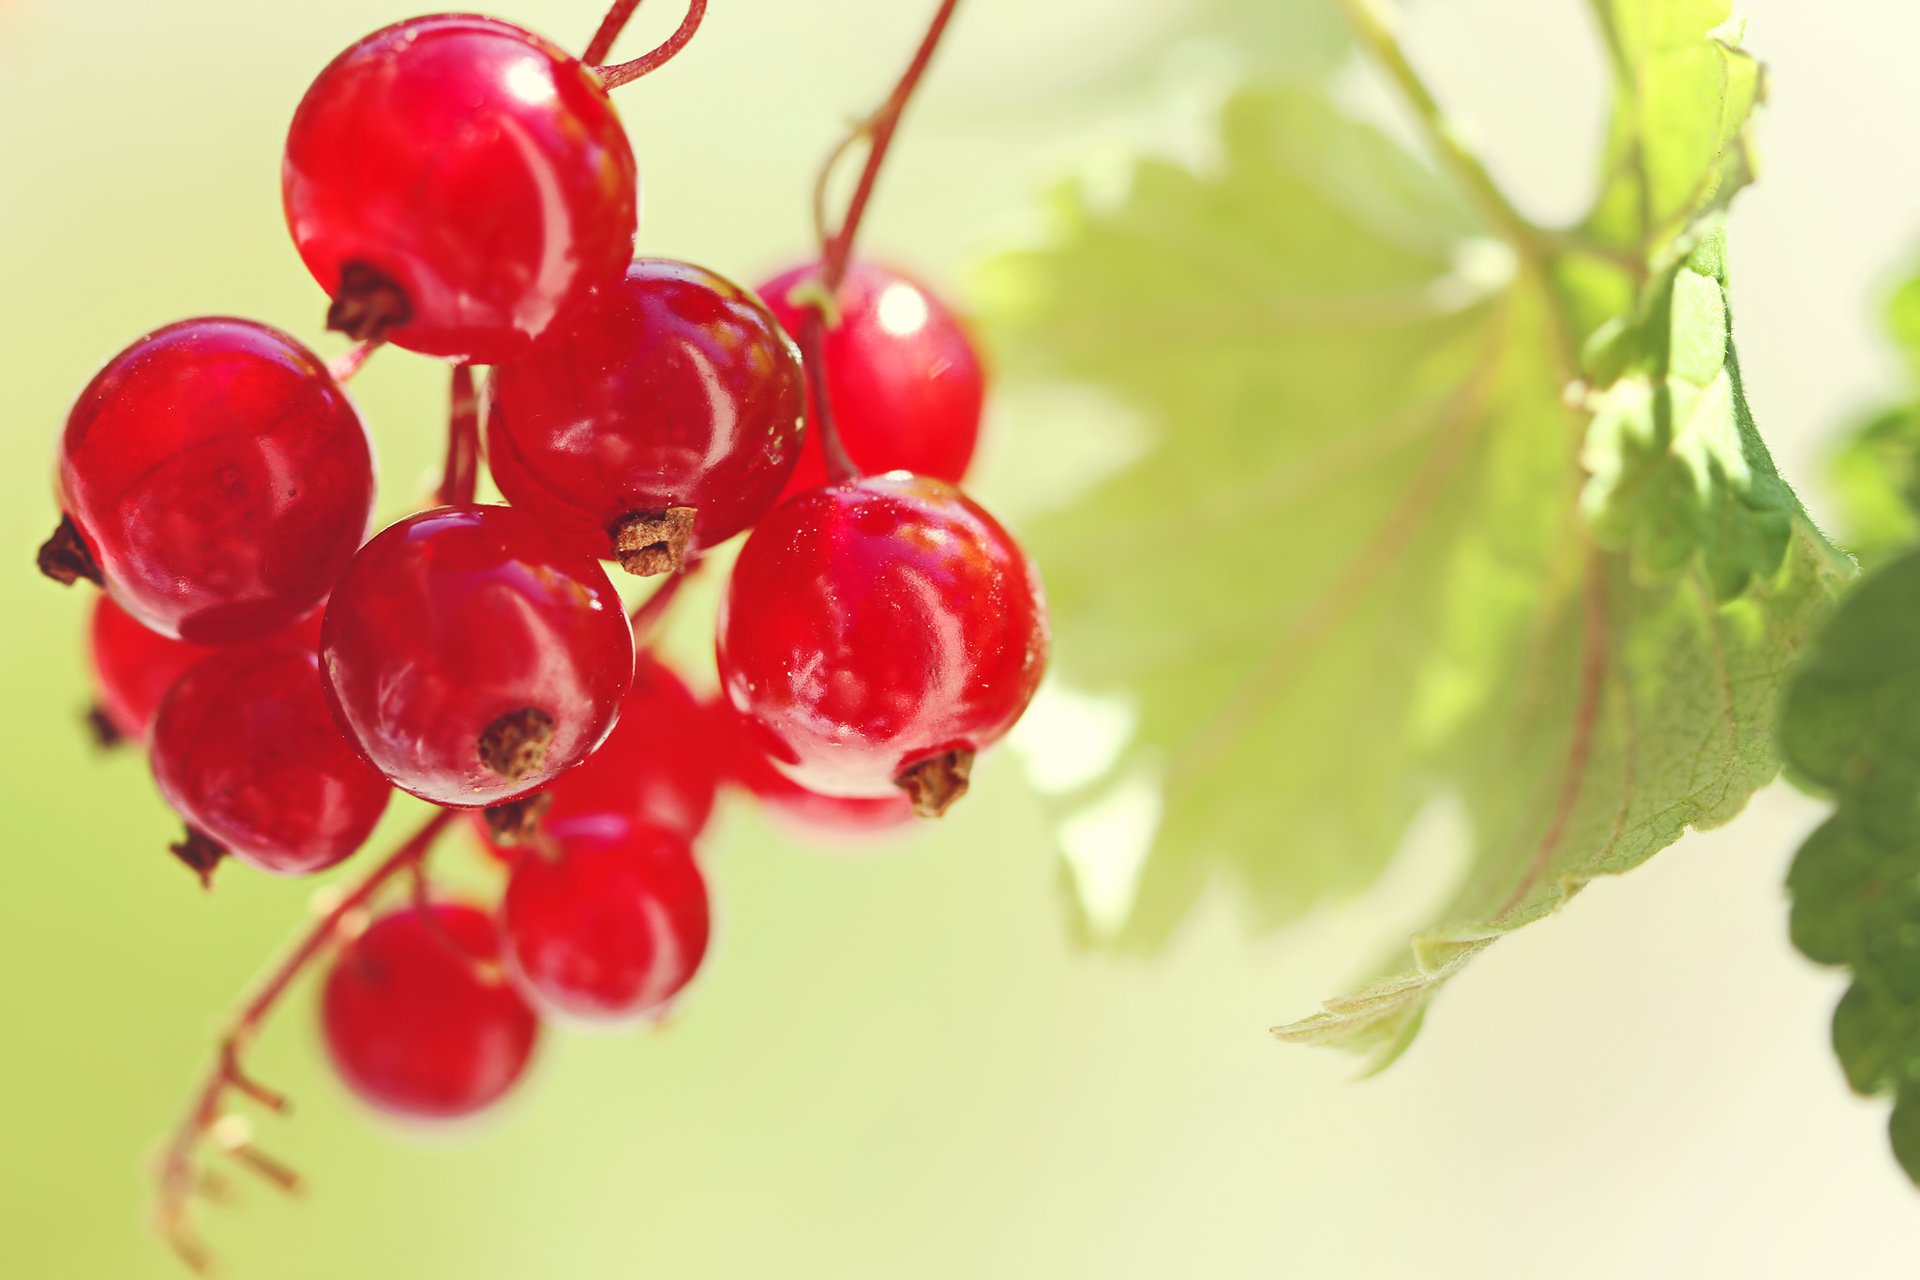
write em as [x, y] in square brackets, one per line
[245, 750]
[133, 667]
[219, 477]
[672, 389]
[455, 183]
[749, 767]
[418, 1018]
[473, 656]
[607, 920]
[878, 632]
[906, 381]
[661, 764]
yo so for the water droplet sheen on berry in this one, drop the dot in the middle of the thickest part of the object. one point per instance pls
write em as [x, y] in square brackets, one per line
[245, 749]
[456, 183]
[418, 1018]
[673, 388]
[873, 626]
[907, 384]
[474, 656]
[220, 477]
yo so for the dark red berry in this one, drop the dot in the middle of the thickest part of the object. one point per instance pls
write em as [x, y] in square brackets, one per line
[661, 764]
[245, 750]
[877, 633]
[810, 810]
[671, 390]
[220, 477]
[134, 667]
[419, 1019]
[906, 382]
[606, 920]
[455, 183]
[474, 656]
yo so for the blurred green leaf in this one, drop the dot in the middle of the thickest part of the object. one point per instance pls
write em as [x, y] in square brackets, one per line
[1850, 727]
[1876, 473]
[1353, 572]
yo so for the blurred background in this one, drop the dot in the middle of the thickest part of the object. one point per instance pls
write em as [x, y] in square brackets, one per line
[897, 1063]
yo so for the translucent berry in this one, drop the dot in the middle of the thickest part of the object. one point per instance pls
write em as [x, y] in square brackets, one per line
[455, 183]
[661, 420]
[134, 667]
[245, 751]
[906, 381]
[878, 632]
[661, 764]
[218, 477]
[418, 1018]
[750, 768]
[474, 656]
[607, 921]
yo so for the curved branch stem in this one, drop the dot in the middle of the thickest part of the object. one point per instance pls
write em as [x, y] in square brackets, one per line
[609, 31]
[650, 613]
[205, 1120]
[627, 72]
[460, 477]
[836, 245]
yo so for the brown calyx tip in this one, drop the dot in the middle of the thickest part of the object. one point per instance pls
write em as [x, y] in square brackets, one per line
[368, 305]
[515, 745]
[650, 543]
[936, 782]
[66, 558]
[100, 726]
[518, 821]
[201, 852]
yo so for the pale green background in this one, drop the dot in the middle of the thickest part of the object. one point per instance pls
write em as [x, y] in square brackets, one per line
[896, 1065]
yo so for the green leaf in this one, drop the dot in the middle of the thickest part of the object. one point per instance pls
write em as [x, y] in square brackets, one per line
[1876, 473]
[1352, 573]
[1850, 728]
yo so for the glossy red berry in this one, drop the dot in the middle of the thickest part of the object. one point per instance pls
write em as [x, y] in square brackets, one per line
[219, 477]
[134, 667]
[671, 390]
[877, 633]
[473, 656]
[245, 751]
[455, 183]
[606, 921]
[419, 1019]
[750, 768]
[905, 378]
[661, 764]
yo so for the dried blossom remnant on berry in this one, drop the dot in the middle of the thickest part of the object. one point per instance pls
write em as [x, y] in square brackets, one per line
[934, 784]
[369, 304]
[66, 558]
[105, 733]
[201, 853]
[518, 821]
[648, 544]
[515, 745]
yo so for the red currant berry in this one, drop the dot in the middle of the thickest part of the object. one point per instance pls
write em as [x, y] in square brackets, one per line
[245, 750]
[661, 764]
[219, 477]
[906, 381]
[608, 921]
[418, 1018]
[473, 656]
[133, 668]
[660, 420]
[455, 183]
[749, 768]
[878, 632]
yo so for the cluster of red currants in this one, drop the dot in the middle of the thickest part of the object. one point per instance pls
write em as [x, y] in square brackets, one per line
[463, 188]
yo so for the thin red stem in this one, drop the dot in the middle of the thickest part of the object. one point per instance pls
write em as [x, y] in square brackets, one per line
[348, 362]
[177, 1177]
[836, 247]
[627, 72]
[460, 478]
[651, 612]
[610, 28]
